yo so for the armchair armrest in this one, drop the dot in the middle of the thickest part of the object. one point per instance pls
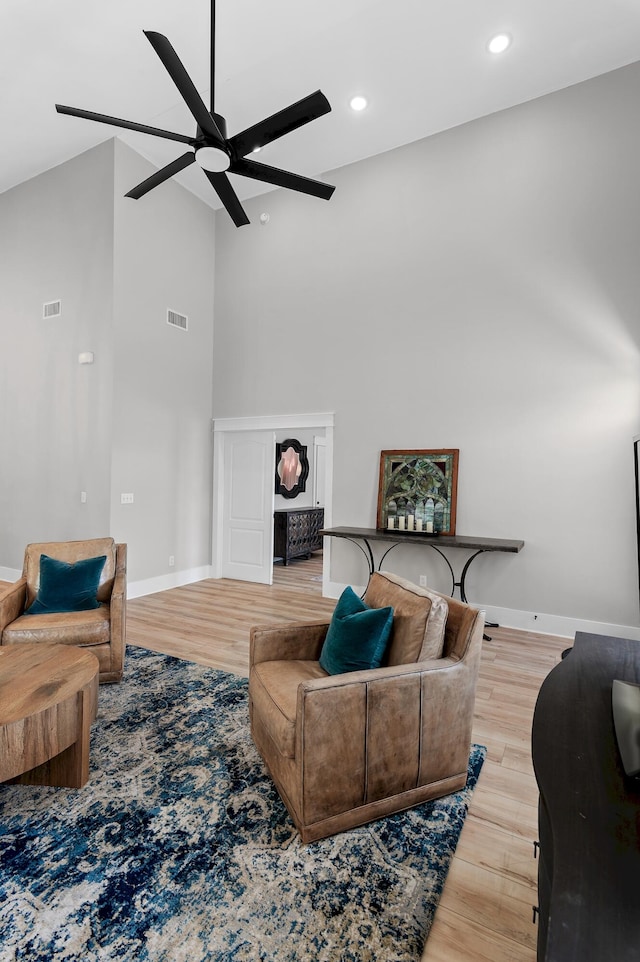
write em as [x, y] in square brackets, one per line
[118, 609]
[380, 676]
[120, 579]
[12, 603]
[298, 640]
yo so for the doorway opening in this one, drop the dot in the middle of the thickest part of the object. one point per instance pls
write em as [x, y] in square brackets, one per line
[247, 508]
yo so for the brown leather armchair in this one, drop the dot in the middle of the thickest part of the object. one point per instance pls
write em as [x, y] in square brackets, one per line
[347, 749]
[100, 630]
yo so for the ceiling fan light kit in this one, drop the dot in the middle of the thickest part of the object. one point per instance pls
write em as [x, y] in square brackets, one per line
[213, 159]
[210, 148]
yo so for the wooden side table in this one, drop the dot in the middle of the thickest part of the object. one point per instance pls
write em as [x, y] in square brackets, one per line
[397, 538]
[48, 700]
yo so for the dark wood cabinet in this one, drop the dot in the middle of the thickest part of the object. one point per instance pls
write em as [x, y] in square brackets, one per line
[296, 532]
[589, 811]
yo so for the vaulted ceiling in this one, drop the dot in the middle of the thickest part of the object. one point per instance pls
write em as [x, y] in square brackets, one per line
[423, 65]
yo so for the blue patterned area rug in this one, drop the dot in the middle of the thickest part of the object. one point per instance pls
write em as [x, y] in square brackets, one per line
[180, 850]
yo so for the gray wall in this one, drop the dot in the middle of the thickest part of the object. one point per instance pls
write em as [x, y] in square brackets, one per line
[478, 289]
[138, 419]
[162, 440]
[56, 241]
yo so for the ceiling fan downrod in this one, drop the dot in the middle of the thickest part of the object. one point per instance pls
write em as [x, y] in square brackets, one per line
[213, 58]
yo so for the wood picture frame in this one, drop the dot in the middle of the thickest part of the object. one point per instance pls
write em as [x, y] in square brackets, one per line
[418, 491]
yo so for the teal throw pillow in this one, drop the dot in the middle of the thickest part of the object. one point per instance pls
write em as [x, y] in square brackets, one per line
[357, 637]
[67, 587]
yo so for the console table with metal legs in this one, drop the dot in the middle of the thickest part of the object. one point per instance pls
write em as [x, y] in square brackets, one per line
[362, 537]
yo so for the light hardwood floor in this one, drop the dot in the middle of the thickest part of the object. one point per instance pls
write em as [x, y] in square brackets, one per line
[485, 912]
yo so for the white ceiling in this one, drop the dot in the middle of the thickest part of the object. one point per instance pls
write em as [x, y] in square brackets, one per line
[423, 64]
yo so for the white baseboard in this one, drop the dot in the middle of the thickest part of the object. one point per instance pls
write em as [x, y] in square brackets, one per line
[557, 624]
[528, 620]
[136, 589]
[149, 586]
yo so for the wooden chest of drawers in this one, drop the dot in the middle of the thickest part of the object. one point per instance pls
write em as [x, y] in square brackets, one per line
[296, 532]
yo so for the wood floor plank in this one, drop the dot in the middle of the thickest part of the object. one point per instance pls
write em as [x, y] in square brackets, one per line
[509, 783]
[518, 818]
[517, 759]
[488, 898]
[456, 939]
[492, 847]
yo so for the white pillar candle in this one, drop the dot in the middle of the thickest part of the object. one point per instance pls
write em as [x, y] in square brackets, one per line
[410, 520]
[418, 524]
[400, 524]
[429, 527]
[390, 524]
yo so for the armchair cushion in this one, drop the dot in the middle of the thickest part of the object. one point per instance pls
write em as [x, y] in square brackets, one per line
[274, 690]
[357, 637]
[90, 627]
[67, 586]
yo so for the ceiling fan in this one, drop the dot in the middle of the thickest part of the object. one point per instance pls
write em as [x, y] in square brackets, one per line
[211, 149]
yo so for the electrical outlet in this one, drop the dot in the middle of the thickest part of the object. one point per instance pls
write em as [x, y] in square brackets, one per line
[423, 581]
[126, 499]
[172, 561]
[83, 497]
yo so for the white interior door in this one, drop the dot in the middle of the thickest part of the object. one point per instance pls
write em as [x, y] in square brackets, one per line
[247, 520]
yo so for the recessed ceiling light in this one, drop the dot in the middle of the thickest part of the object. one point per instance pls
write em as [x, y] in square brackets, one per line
[358, 102]
[499, 43]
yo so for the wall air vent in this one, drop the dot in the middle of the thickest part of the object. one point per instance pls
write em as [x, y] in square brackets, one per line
[177, 320]
[51, 309]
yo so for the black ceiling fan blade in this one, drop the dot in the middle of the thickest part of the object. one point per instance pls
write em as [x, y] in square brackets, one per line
[281, 123]
[281, 178]
[161, 175]
[183, 82]
[128, 124]
[228, 196]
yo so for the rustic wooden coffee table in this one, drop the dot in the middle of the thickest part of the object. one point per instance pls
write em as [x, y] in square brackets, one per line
[48, 700]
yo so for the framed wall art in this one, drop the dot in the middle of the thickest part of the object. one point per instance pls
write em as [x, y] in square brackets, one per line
[418, 491]
[292, 468]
